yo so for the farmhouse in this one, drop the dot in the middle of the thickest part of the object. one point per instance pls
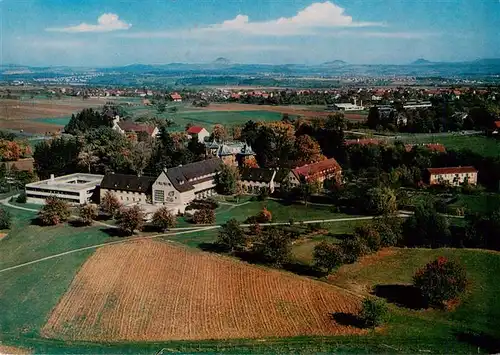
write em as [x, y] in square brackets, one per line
[453, 176]
[125, 127]
[174, 187]
[199, 132]
[176, 97]
[74, 188]
[323, 170]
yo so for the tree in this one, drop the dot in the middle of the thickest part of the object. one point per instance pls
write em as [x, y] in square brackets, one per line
[87, 157]
[226, 180]
[390, 229]
[309, 188]
[88, 213]
[231, 236]
[374, 312]
[272, 246]
[381, 200]
[5, 219]
[308, 150]
[483, 230]
[140, 156]
[110, 204]
[427, 228]
[219, 133]
[163, 219]
[204, 216]
[57, 156]
[440, 281]
[54, 211]
[369, 236]
[86, 120]
[130, 219]
[328, 256]
[10, 150]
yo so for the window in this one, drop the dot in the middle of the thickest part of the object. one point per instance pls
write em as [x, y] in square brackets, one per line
[159, 195]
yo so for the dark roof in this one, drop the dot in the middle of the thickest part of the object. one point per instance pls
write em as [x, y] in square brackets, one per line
[128, 126]
[257, 174]
[281, 175]
[127, 182]
[180, 176]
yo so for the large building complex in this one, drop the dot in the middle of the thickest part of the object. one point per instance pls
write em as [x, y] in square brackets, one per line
[75, 188]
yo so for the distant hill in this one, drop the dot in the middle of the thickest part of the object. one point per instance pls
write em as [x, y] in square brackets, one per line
[421, 61]
[222, 61]
[335, 63]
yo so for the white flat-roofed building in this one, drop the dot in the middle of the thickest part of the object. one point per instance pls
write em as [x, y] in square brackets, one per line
[74, 188]
[348, 107]
[413, 104]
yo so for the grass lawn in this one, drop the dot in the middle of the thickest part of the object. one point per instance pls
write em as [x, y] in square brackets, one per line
[435, 330]
[281, 212]
[482, 203]
[479, 144]
[61, 121]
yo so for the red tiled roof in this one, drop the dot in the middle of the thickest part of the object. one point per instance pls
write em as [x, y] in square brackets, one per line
[452, 170]
[194, 129]
[175, 96]
[315, 168]
[134, 127]
[497, 124]
[433, 147]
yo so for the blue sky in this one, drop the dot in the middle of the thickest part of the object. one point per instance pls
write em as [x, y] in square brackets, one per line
[121, 32]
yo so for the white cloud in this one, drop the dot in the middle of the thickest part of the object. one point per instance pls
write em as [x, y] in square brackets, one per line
[105, 23]
[307, 21]
[313, 20]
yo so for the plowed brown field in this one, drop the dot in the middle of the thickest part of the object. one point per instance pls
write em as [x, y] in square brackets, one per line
[150, 290]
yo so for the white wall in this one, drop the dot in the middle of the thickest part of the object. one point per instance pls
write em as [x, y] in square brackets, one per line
[126, 197]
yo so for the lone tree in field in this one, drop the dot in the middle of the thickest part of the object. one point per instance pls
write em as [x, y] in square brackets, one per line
[163, 219]
[226, 180]
[231, 236]
[264, 216]
[130, 219]
[54, 211]
[328, 256]
[440, 281]
[204, 216]
[88, 213]
[110, 204]
[272, 247]
[370, 236]
[374, 312]
[5, 219]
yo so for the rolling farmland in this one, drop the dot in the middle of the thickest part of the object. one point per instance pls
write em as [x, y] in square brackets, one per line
[151, 291]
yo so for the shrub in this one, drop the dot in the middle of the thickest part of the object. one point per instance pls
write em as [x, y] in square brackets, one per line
[390, 230]
[440, 281]
[374, 312]
[264, 216]
[200, 204]
[54, 212]
[110, 204]
[352, 249]
[163, 219]
[130, 219]
[204, 216]
[21, 198]
[88, 213]
[370, 237]
[5, 219]
[328, 256]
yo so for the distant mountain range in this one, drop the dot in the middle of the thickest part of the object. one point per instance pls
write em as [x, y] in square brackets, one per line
[224, 67]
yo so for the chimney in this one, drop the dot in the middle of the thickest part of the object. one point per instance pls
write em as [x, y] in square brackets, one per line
[52, 178]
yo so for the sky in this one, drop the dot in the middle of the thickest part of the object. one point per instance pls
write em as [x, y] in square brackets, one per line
[122, 32]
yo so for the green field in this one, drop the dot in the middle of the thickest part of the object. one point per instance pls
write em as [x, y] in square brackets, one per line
[478, 144]
[61, 121]
[436, 330]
